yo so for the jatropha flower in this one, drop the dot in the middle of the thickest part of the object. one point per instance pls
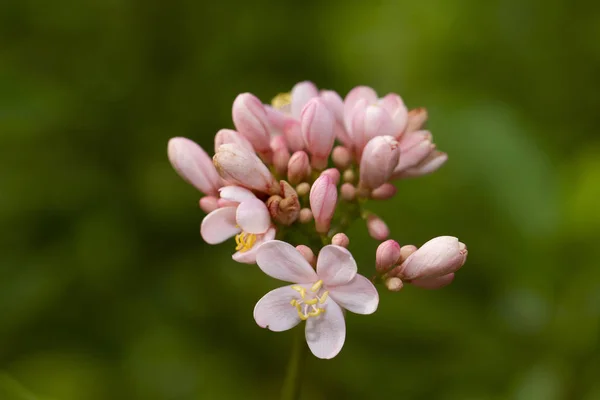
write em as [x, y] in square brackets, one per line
[317, 297]
[245, 217]
[289, 181]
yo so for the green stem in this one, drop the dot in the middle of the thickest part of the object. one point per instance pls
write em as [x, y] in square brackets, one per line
[293, 376]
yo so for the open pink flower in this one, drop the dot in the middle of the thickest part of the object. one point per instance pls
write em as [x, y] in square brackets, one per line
[247, 219]
[317, 297]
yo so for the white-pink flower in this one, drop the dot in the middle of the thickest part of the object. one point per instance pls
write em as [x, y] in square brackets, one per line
[247, 219]
[317, 297]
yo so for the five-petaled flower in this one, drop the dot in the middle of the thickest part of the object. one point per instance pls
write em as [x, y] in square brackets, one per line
[247, 218]
[317, 297]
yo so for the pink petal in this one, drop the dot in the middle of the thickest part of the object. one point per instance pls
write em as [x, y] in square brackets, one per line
[274, 311]
[249, 257]
[359, 295]
[219, 225]
[253, 216]
[437, 282]
[354, 96]
[326, 333]
[193, 164]
[335, 265]
[236, 193]
[301, 93]
[282, 261]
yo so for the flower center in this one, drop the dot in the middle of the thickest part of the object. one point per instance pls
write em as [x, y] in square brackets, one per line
[282, 101]
[244, 241]
[308, 305]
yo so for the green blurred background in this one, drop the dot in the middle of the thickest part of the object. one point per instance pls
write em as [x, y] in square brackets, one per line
[108, 292]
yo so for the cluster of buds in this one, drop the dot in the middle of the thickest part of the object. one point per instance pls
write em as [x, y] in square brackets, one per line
[288, 182]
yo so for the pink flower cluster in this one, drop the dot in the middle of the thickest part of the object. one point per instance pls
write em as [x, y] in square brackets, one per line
[288, 182]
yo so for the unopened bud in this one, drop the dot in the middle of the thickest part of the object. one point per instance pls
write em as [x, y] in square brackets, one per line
[303, 189]
[394, 284]
[348, 192]
[334, 174]
[298, 167]
[349, 176]
[208, 204]
[306, 216]
[307, 253]
[342, 157]
[377, 228]
[384, 192]
[416, 120]
[340, 239]
[387, 255]
[281, 155]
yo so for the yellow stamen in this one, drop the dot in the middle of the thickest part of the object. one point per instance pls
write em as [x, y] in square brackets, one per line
[281, 100]
[244, 241]
[311, 302]
[323, 297]
[300, 290]
[316, 286]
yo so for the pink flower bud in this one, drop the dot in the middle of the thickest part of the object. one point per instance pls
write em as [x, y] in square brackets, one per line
[384, 192]
[394, 284]
[208, 204]
[334, 174]
[293, 135]
[323, 199]
[436, 282]
[193, 164]
[342, 157]
[244, 168]
[439, 256]
[416, 120]
[340, 239]
[379, 159]
[412, 156]
[387, 255]
[395, 107]
[221, 203]
[431, 163]
[251, 121]
[378, 230]
[336, 105]
[307, 253]
[348, 192]
[281, 155]
[406, 251]
[301, 93]
[225, 136]
[364, 93]
[298, 167]
[317, 123]
[368, 123]
[277, 119]
[306, 216]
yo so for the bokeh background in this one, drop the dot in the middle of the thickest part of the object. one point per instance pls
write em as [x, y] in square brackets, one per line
[108, 292]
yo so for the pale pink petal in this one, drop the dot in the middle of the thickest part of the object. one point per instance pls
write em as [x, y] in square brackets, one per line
[326, 333]
[274, 311]
[193, 164]
[335, 265]
[354, 96]
[437, 282]
[358, 296]
[282, 261]
[249, 257]
[253, 216]
[219, 225]
[236, 193]
[276, 118]
[301, 93]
